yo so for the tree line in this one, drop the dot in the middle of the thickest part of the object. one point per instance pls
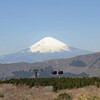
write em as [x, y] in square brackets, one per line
[57, 83]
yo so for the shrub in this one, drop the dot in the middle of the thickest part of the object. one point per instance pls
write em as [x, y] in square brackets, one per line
[98, 84]
[87, 97]
[64, 96]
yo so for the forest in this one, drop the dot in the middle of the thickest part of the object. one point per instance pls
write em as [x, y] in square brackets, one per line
[57, 83]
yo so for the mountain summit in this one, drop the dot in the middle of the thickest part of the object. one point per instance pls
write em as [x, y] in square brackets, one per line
[49, 44]
[47, 48]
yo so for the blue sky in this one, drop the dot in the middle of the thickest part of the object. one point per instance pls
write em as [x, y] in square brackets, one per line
[24, 22]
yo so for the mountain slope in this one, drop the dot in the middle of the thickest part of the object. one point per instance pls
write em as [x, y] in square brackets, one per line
[49, 44]
[80, 66]
[47, 48]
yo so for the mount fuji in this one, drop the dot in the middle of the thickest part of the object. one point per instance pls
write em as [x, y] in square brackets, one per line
[47, 48]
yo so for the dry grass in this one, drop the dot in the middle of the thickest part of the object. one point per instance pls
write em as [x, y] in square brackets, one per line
[11, 92]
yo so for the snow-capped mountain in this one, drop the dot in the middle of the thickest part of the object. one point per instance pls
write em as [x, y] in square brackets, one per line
[47, 48]
[49, 44]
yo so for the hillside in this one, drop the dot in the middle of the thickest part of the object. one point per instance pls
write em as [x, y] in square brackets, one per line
[50, 89]
[80, 66]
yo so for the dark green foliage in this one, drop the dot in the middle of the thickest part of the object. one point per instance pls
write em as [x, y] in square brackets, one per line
[77, 63]
[98, 84]
[57, 83]
[55, 87]
[64, 96]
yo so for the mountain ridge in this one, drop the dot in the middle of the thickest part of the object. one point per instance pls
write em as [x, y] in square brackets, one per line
[79, 66]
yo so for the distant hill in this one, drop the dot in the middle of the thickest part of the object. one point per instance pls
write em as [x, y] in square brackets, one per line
[80, 66]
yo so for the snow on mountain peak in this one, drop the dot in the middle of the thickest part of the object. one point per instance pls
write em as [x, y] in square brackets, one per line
[49, 44]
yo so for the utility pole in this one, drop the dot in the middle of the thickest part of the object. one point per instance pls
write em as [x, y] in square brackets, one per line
[36, 70]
